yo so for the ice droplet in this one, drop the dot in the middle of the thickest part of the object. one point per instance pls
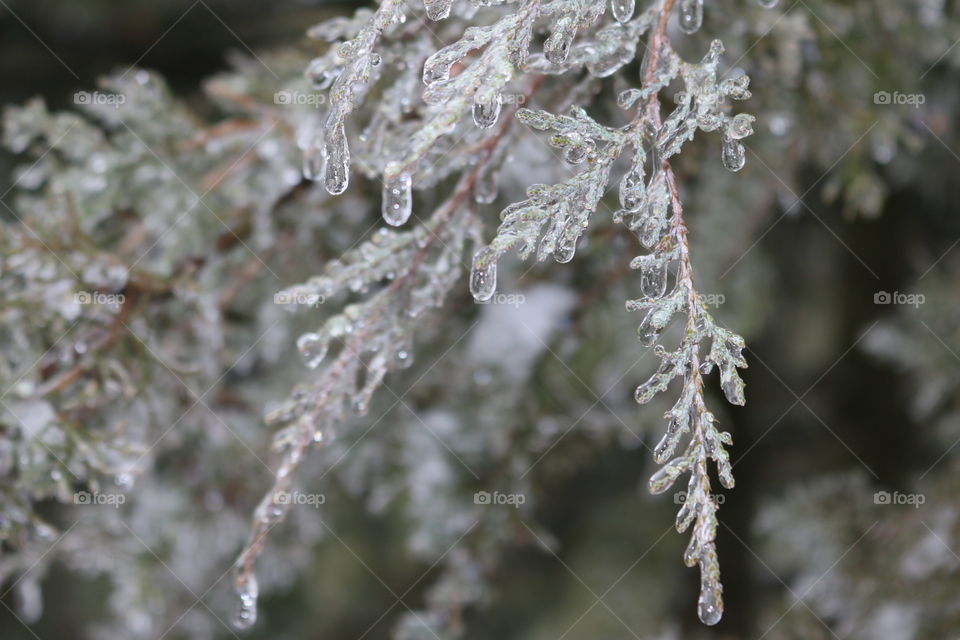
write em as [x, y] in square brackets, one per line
[622, 10]
[691, 15]
[313, 162]
[246, 614]
[768, 4]
[483, 278]
[740, 126]
[437, 9]
[557, 47]
[313, 349]
[337, 155]
[648, 332]
[436, 69]
[397, 200]
[710, 603]
[485, 188]
[486, 111]
[653, 279]
[734, 155]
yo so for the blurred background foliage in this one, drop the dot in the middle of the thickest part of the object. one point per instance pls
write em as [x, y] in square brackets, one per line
[843, 198]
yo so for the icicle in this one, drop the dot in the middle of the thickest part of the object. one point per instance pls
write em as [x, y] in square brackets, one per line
[486, 110]
[710, 603]
[483, 278]
[622, 10]
[734, 155]
[437, 9]
[691, 15]
[313, 349]
[337, 155]
[397, 200]
[247, 590]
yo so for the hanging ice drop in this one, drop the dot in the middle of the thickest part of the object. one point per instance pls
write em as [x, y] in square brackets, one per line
[337, 155]
[437, 9]
[397, 200]
[734, 155]
[691, 15]
[622, 10]
[248, 591]
[557, 47]
[486, 111]
[710, 603]
[313, 349]
[483, 276]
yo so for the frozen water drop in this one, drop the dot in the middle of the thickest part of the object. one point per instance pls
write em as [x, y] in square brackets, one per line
[486, 112]
[397, 200]
[710, 604]
[246, 614]
[734, 155]
[483, 275]
[337, 156]
[691, 15]
[313, 349]
[437, 9]
[653, 279]
[768, 4]
[622, 10]
[557, 47]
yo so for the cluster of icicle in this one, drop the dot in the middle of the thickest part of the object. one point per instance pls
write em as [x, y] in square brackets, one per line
[471, 75]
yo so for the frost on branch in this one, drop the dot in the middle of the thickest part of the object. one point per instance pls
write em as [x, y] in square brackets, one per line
[418, 135]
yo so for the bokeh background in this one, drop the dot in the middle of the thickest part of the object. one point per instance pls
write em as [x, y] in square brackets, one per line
[834, 252]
